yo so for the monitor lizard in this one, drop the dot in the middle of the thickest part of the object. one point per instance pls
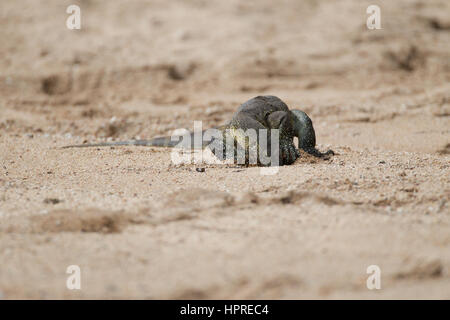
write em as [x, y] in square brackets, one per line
[261, 112]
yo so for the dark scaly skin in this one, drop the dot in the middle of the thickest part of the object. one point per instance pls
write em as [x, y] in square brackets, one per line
[262, 112]
[306, 135]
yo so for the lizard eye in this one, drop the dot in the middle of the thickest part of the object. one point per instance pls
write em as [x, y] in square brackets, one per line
[266, 117]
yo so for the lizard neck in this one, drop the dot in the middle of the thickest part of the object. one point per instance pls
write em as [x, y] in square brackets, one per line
[303, 130]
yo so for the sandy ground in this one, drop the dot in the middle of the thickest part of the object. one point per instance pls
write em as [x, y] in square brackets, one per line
[140, 227]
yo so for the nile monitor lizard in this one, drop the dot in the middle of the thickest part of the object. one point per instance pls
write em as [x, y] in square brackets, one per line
[262, 112]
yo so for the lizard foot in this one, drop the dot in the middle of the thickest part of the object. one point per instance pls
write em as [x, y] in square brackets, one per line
[289, 154]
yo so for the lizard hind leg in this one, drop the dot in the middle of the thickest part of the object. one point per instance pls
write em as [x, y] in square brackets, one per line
[304, 131]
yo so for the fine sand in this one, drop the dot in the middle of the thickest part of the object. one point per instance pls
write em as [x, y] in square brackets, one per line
[139, 226]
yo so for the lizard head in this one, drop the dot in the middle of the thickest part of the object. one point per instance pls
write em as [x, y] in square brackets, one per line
[303, 130]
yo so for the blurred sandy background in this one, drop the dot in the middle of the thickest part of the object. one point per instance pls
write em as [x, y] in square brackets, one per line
[140, 227]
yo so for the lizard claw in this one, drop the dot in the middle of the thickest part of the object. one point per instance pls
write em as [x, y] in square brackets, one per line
[289, 154]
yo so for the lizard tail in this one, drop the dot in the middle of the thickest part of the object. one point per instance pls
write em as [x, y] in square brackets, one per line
[166, 142]
[105, 144]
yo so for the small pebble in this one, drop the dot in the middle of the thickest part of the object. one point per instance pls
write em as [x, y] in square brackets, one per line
[200, 169]
[51, 201]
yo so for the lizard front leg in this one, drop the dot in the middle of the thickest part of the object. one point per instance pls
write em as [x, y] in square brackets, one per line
[282, 121]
